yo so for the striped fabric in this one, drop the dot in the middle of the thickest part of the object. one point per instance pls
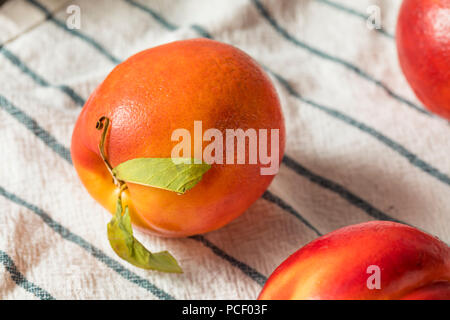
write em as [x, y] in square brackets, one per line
[360, 146]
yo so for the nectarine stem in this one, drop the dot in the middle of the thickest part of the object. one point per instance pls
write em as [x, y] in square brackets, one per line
[103, 123]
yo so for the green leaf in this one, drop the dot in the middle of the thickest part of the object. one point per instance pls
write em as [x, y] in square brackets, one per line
[120, 235]
[162, 173]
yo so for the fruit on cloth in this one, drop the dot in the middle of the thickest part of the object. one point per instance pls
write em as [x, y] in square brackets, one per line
[373, 260]
[423, 45]
[160, 90]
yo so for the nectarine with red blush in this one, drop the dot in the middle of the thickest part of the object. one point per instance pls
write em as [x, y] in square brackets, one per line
[423, 45]
[373, 260]
[163, 89]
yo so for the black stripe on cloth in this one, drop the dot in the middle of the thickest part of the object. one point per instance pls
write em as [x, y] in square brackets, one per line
[20, 279]
[269, 196]
[285, 34]
[35, 128]
[74, 32]
[395, 146]
[340, 190]
[353, 12]
[249, 271]
[38, 79]
[91, 249]
[166, 24]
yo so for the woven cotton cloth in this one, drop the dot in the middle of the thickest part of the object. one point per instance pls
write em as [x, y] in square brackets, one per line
[359, 145]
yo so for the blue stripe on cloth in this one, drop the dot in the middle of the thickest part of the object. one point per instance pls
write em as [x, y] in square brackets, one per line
[95, 252]
[285, 34]
[74, 32]
[35, 128]
[353, 12]
[201, 31]
[249, 271]
[166, 24]
[20, 279]
[395, 146]
[269, 196]
[38, 79]
[340, 190]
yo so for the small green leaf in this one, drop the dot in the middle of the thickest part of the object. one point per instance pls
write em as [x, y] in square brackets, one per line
[162, 173]
[120, 235]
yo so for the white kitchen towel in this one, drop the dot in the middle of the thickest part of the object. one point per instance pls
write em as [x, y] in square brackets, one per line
[359, 145]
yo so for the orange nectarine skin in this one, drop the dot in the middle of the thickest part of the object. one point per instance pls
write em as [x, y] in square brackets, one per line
[413, 265]
[423, 44]
[162, 89]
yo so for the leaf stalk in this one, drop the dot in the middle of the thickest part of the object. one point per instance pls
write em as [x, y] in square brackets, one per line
[103, 124]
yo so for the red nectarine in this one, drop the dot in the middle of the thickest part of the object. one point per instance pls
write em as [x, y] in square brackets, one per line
[373, 260]
[166, 88]
[423, 45]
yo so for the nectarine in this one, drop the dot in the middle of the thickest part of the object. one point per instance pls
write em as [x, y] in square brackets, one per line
[423, 45]
[163, 89]
[373, 260]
